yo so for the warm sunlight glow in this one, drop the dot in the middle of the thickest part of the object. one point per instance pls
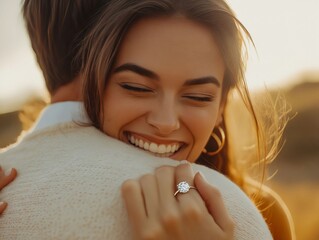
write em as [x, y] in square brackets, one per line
[286, 34]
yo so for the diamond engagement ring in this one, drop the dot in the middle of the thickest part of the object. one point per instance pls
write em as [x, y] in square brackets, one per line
[183, 187]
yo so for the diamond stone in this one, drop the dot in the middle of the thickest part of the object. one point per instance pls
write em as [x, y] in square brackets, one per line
[183, 187]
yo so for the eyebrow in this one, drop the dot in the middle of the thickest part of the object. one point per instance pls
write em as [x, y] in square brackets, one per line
[136, 69]
[149, 74]
[202, 80]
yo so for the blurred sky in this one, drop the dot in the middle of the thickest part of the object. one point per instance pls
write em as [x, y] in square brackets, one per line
[286, 34]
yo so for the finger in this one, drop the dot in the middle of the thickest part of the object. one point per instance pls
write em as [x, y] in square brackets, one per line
[214, 203]
[134, 202]
[169, 215]
[1, 172]
[192, 208]
[150, 193]
[184, 172]
[3, 206]
[165, 177]
[5, 180]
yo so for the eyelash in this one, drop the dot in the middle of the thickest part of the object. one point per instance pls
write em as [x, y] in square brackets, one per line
[135, 89]
[200, 99]
[145, 90]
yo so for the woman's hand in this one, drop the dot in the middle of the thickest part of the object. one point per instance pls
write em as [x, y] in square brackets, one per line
[4, 181]
[154, 212]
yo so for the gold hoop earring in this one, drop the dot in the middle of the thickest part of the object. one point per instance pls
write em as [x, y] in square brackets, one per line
[220, 142]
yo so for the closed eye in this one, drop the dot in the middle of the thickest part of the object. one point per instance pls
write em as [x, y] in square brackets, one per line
[135, 87]
[200, 99]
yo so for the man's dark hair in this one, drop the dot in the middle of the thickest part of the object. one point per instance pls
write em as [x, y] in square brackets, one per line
[56, 29]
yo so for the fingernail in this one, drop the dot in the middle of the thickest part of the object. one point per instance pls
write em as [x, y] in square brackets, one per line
[183, 162]
[2, 203]
[8, 172]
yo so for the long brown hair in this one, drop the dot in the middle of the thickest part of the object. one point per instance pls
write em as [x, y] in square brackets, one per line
[101, 44]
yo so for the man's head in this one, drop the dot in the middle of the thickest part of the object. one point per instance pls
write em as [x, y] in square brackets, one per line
[56, 29]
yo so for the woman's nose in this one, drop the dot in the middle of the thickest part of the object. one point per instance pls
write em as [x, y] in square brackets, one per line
[164, 117]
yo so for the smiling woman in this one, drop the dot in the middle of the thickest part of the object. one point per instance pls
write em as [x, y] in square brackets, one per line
[168, 91]
[158, 76]
[165, 79]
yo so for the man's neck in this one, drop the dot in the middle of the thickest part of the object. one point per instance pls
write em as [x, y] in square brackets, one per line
[68, 92]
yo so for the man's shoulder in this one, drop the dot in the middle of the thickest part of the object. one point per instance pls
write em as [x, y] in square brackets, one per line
[61, 137]
[59, 132]
[74, 141]
[72, 162]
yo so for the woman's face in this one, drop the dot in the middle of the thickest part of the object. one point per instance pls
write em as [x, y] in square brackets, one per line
[164, 95]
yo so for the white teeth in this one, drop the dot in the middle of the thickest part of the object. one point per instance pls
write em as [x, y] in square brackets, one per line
[141, 144]
[160, 150]
[146, 146]
[153, 147]
[173, 148]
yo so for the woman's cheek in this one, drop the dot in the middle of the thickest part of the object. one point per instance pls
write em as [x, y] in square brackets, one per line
[200, 125]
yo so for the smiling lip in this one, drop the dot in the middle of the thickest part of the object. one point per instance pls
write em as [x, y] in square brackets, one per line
[158, 147]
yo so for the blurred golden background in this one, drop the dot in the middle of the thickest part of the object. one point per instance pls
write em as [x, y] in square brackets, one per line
[286, 34]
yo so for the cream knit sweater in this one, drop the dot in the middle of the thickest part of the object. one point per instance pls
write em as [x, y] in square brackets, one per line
[69, 181]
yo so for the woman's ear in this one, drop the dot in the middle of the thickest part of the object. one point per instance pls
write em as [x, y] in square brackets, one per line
[220, 113]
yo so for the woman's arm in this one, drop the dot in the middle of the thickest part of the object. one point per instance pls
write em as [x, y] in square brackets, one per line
[275, 212]
[4, 181]
[277, 216]
[155, 213]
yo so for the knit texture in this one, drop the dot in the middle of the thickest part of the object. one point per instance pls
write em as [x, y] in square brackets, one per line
[68, 187]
